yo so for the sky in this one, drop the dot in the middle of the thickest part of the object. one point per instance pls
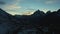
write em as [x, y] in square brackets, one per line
[27, 7]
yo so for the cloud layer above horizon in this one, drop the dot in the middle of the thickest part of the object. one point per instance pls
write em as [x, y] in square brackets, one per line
[28, 6]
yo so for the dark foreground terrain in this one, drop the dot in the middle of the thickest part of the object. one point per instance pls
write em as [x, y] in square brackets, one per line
[37, 23]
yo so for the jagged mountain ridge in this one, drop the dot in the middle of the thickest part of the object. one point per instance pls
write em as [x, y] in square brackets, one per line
[13, 24]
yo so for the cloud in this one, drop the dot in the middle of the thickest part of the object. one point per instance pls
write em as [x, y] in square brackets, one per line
[50, 1]
[23, 13]
[2, 3]
[16, 1]
[14, 13]
[28, 13]
[12, 7]
[15, 5]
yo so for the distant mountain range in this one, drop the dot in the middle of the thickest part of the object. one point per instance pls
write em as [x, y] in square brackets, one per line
[12, 24]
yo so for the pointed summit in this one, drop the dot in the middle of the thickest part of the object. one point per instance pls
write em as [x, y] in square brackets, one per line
[38, 13]
[48, 12]
[38, 10]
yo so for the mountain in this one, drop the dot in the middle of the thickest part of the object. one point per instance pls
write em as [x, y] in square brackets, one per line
[38, 13]
[3, 13]
[8, 23]
[38, 21]
[4, 16]
[58, 12]
[48, 12]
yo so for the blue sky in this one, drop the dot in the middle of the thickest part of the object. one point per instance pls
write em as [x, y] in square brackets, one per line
[29, 6]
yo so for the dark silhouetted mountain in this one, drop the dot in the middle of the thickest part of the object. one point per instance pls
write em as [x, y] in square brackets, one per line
[58, 10]
[38, 13]
[48, 12]
[52, 21]
[40, 22]
[4, 16]
[7, 23]
[3, 13]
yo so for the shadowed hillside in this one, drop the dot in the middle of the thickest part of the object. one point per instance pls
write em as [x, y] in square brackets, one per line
[37, 23]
